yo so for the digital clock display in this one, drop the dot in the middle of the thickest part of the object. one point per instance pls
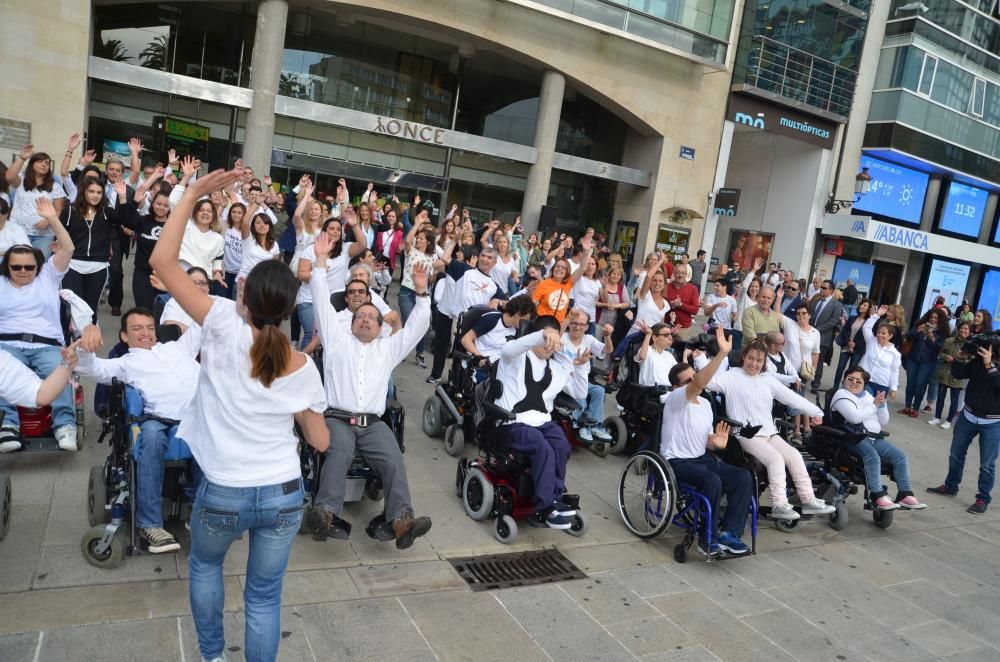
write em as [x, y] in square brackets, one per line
[895, 191]
[963, 209]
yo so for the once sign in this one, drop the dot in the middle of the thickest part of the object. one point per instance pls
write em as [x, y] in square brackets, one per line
[411, 130]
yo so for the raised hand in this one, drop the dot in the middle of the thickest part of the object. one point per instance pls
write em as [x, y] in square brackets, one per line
[74, 142]
[45, 208]
[645, 328]
[586, 243]
[883, 310]
[88, 157]
[720, 437]
[608, 329]
[725, 344]
[120, 189]
[188, 166]
[323, 244]
[267, 181]
[27, 151]
[172, 158]
[758, 262]
[582, 356]
[420, 274]
[552, 340]
[90, 339]
[213, 181]
[134, 145]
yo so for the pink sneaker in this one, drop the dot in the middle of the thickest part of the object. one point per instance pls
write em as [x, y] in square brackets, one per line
[885, 503]
[910, 503]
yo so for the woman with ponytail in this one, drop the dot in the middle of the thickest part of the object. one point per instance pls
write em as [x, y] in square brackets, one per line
[239, 426]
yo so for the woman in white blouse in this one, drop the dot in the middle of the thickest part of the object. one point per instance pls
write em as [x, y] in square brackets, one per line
[586, 292]
[750, 393]
[802, 343]
[203, 246]
[881, 360]
[239, 426]
[37, 183]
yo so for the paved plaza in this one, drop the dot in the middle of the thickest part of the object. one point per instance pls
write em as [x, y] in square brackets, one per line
[926, 589]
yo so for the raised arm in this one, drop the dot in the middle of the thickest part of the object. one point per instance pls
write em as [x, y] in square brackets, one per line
[649, 275]
[647, 337]
[704, 377]
[64, 253]
[165, 257]
[74, 142]
[350, 218]
[588, 250]
[14, 171]
[135, 163]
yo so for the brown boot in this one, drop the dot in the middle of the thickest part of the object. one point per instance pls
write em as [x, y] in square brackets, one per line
[408, 528]
[323, 524]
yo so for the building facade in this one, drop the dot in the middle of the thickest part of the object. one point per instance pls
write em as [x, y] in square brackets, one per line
[599, 113]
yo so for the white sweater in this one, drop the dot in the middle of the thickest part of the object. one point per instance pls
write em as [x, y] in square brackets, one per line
[860, 409]
[749, 399]
[202, 249]
[882, 363]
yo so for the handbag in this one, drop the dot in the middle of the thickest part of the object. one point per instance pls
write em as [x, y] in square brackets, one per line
[807, 371]
[905, 348]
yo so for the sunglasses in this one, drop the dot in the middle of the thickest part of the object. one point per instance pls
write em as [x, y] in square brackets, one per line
[664, 335]
[351, 292]
[22, 267]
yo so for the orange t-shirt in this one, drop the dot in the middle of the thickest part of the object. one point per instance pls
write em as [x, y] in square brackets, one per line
[552, 298]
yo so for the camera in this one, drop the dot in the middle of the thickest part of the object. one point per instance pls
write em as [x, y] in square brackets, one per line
[982, 340]
[704, 342]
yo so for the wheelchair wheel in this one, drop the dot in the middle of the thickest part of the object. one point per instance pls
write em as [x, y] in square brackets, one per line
[454, 440]
[460, 470]
[580, 525]
[477, 494]
[112, 557]
[882, 518]
[6, 506]
[431, 418]
[600, 449]
[680, 553]
[647, 494]
[97, 497]
[506, 530]
[838, 518]
[786, 525]
[616, 427]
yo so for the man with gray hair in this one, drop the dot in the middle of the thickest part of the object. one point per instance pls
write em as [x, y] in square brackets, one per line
[781, 367]
[759, 319]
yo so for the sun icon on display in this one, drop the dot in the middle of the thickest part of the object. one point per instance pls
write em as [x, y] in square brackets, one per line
[905, 195]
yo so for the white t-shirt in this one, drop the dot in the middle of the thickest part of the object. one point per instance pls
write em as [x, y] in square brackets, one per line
[241, 432]
[233, 256]
[24, 211]
[649, 312]
[303, 240]
[655, 370]
[18, 384]
[585, 294]
[502, 270]
[336, 269]
[11, 235]
[254, 254]
[491, 335]
[723, 316]
[201, 249]
[571, 349]
[686, 426]
[33, 308]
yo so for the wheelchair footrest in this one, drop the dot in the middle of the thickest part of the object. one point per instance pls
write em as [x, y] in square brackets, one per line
[571, 500]
[379, 529]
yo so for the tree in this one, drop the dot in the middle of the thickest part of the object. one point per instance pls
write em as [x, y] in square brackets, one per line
[112, 49]
[154, 56]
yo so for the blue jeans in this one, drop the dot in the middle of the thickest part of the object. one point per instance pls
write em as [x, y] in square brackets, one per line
[872, 452]
[989, 442]
[549, 451]
[407, 301]
[624, 344]
[712, 477]
[272, 514]
[593, 405]
[306, 319]
[42, 243]
[942, 391]
[231, 282]
[149, 474]
[42, 359]
[918, 376]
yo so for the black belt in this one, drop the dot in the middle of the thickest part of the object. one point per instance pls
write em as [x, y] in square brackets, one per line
[357, 420]
[30, 337]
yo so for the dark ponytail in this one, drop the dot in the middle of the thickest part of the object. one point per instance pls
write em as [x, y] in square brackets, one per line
[269, 295]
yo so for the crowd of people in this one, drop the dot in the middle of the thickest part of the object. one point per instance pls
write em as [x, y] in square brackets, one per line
[210, 260]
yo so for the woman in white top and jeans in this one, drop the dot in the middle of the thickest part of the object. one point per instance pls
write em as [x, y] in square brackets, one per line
[37, 183]
[420, 245]
[239, 426]
[203, 246]
[881, 360]
[586, 293]
[802, 345]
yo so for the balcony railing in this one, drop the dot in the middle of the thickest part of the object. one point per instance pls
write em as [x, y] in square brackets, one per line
[793, 74]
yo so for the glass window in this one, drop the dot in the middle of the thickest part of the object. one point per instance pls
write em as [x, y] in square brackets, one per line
[927, 73]
[952, 86]
[498, 98]
[978, 97]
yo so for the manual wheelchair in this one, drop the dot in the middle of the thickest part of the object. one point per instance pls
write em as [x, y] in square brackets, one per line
[111, 488]
[498, 483]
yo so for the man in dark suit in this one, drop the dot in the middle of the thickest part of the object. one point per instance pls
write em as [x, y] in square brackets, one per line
[826, 312]
[791, 300]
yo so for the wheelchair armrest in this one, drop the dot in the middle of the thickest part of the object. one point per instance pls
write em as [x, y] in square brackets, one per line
[498, 412]
[565, 401]
[827, 431]
[460, 355]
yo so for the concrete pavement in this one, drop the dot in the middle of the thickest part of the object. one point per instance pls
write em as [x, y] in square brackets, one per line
[925, 589]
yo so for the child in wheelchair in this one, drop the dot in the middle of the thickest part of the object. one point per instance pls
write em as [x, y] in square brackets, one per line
[166, 375]
[863, 415]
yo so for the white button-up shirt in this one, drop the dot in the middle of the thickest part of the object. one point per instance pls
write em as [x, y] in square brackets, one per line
[357, 373]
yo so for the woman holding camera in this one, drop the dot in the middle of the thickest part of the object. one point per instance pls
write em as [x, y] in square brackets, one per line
[946, 383]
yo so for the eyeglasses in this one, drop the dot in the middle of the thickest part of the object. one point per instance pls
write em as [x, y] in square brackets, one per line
[825, 287]
[853, 380]
[200, 283]
[22, 267]
[802, 312]
[578, 324]
[792, 289]
[363, 317]
[664, 335]
[352, 292]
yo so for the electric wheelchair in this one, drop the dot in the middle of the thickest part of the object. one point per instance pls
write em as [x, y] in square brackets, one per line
[498, 483]
[111, 489]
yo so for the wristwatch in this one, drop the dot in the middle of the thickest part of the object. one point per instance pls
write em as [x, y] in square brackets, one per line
[423, 294]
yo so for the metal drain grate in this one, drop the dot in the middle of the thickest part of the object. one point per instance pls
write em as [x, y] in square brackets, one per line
[486, 573]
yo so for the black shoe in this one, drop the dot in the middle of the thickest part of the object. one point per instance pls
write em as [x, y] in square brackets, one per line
[420, 362]
[432, 380]
[814, 389]
[978, 508]
[323, 524]
[408, 529]
[942, 490]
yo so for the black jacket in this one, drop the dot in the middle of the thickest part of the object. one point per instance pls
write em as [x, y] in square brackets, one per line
[147, 233]
[92, 240]
[982, 395]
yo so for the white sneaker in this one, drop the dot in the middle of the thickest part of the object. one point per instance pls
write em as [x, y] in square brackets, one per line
[946, 425]
[784, 511]
[158, 540]
[12, 434]
[601, 434]
[817, 507]
[584, 434]
[934, 421]
[66, 436]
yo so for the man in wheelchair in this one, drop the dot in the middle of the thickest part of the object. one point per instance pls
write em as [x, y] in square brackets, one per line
[532, 371]
[687, 437]
[357, 366]
[863, 415]
[166, 375]
[576, 340]
[493, 330]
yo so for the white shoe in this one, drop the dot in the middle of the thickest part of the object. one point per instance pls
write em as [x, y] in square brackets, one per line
[817, 507]
[13, 434]
[584, 434]
[934, 421]
[784, 511]
[66, 436]
[946, 425]
[601, 434]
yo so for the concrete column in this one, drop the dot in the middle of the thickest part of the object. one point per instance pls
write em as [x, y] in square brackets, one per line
[269, 42]
[536, 193]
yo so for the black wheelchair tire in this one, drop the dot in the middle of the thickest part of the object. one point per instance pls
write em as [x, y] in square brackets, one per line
[454, 440]
[110, 559]
[786, 525]
[662, 468]
[97, 497]
[680, 553]
[480, 489]
[615, 425]
[882, 518]
[431, 418]
[839, 517]
[7, 505]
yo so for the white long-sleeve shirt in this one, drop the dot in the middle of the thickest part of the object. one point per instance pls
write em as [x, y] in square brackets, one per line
[202, 249]
[18, 384]
[535, 400]
[357, 373]
[860, 409]
[166, 375]
[749, 399]
[882, 363]
[787, 374]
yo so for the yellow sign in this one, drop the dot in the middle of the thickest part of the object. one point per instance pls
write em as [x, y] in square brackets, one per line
[187, 130]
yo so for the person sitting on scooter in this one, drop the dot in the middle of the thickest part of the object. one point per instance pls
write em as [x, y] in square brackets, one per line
[166, 374]
[750, 392]
[654, 356]
[532, 371]
[575, 340]
[866, 414]
[685, 439]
